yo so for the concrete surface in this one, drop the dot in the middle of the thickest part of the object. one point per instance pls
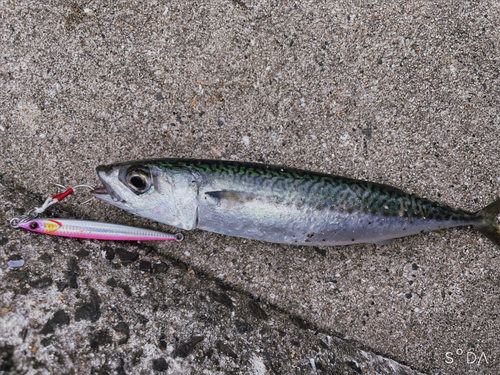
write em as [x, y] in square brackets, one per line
[400, 93]
[84, 307]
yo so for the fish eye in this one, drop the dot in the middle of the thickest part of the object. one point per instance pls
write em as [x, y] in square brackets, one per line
[33, 225]
[138, 181]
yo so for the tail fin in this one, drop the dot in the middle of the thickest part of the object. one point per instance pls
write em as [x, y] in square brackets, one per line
[489, 225]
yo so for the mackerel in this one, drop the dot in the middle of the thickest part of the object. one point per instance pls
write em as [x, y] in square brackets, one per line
[278, 204]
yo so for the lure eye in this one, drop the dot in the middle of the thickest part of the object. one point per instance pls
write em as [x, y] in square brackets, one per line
[33, 225]
[138, 181]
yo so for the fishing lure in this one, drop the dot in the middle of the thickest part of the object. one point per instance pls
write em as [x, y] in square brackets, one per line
[95, 230]
[84, 228]
[33, 213]
[278, 204]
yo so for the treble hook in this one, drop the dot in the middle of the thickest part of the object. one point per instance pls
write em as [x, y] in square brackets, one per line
[34, 212]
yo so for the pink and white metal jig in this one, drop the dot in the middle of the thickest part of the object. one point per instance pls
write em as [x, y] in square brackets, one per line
[83, 228]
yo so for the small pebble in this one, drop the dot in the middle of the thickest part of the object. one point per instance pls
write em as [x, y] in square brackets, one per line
[61, 286]
[160, 267]
[109, 254]
[82, 253]
[15, 263]
[145, 266]
[160, 364]
[126, 256]
[313, 363]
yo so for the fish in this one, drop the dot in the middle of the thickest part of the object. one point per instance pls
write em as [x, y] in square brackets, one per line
[95, 230]
[278, 204]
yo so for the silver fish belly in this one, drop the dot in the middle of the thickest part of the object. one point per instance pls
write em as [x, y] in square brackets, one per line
[277, 204]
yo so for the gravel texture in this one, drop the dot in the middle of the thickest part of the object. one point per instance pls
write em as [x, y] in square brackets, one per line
[406, 94]
[78, 306]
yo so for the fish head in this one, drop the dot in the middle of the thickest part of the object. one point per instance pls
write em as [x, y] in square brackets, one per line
[150, 190]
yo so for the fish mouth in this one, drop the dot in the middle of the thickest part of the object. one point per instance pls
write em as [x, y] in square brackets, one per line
[105, 192]
[100, 191]
[105, 189]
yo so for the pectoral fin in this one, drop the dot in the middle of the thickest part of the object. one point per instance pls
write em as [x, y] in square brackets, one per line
[229, 197]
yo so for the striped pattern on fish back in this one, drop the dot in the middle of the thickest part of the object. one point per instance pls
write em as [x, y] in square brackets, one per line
[322, 191]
